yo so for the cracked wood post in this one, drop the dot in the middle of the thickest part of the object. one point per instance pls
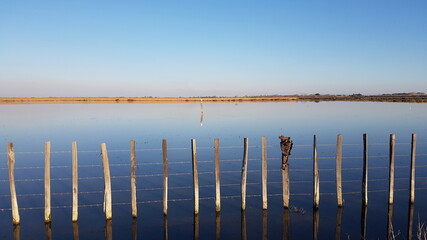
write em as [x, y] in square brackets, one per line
[391, 169]
[217, 177]
[14, 201]
[264, 172]
[47, 198]
[75, 167]
[316, 179]
[286, 147]
[133, 178]
[195, 176]
[339, 170]
[412, 173]
[107, 183]
[165, 176]
[244, 173]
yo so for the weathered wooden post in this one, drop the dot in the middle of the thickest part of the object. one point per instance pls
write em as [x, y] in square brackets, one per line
[133, 178]
[165, 176]
[195, 176]
[14, 201]
[47, 198]
[365, 170]
[264, 172]
[107, 183]
[339, 170]
[217, 177]
[391, 169]
[412, 173]
[316, 180]
[286, 147]
[244, 173]
[75, 167]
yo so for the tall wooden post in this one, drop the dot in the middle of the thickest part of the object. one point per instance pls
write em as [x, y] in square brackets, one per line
[391, 169]
[107, 183]
[195, 176]
[339, 170]
[75, 167]
[47, 198]
[244, 173]
[412, 173]
[14, 201]
[165, 176]
[286, 147]
[217, 177]
[133, 178]
[264, 172]
[316, 180]
[365, 170]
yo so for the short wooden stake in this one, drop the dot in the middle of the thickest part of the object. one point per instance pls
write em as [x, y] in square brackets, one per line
[75, 173]
[264, 172]
[339, 170]
[195, 176]
[391, 169]
[365, 170]
[244, 173]
[316, 180]
[107, 184]
[14, 201]
[133, 178]
[47, 198]
[165, 176]
[217, 177]
[412, 173]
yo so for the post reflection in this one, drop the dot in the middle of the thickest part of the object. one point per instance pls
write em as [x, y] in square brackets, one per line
[196, 227]
[48, 230]
[286, 225]
[363, 219]
[134, 228]
[315, 223]
[218, 225]
[16, 231]
[109, 229]
[76, 230]
[243, 225]
[165, 227]
[264, 224]
[390, 234]
[410, 219]
[338, 224]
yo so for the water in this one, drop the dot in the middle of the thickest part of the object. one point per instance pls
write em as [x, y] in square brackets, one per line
[29, 126]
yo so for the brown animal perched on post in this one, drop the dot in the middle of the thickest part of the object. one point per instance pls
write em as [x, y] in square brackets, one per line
[286, 146]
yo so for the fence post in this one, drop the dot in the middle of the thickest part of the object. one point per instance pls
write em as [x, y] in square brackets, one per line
[14, 201]
[264, 172]
[412, 173]
[75, 167]
[47, 208]
[365, 170]
[107, 183]
[217, 177]
[339, 170]
[133, 178]
[244, 173]
[391, 169]
[195, 176]
[316, 182]
[165, 176]
[286, 147]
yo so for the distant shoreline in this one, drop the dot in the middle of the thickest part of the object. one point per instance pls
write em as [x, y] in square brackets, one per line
[414, 98]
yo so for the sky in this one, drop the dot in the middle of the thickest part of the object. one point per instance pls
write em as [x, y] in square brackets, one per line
[184, 48]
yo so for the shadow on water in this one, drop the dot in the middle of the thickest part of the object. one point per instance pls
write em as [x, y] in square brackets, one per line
[76, 230]
[338, 224]
[218, 225]
[165, 227]
[363, 219]
[286, 224]
[243, 225]
[264, 224]
[196, 227]
[316, 221]
[390, 232]
[109, 229]
[410, 219]
[134, 228]
[16, 232]
[48, 230]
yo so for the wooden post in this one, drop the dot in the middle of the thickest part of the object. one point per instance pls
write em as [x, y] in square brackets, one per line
[244, 173]
[391, 169]
[133, 178]
[47, 213]
[365, 170]
[339, 170]
[75, 167]
[286, 147]
[165, 176]
[217, 177]
[316, 181]
[412, 173]
[195, 176]
[264, 172]
[107, 183]
[14, 201]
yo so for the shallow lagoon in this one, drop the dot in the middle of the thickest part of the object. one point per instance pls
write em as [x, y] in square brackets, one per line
[28, 126]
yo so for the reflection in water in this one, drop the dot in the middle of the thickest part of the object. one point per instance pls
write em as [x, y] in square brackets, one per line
[363, 218]
[196, 226]
[390, 234]
[243, 225]
[201, 112]
[315, 223]
[264, 224]
[48, 230]
[134, 228]
[285, 224]
[338, 224]
[410, 220]
[218, 225]
[165, 227]
[16, 231]
[109, 229]
[76, 230]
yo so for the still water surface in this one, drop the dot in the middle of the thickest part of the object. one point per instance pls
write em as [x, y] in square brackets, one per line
[29, 126]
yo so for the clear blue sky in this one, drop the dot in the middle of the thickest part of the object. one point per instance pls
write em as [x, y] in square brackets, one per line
[211, 47]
